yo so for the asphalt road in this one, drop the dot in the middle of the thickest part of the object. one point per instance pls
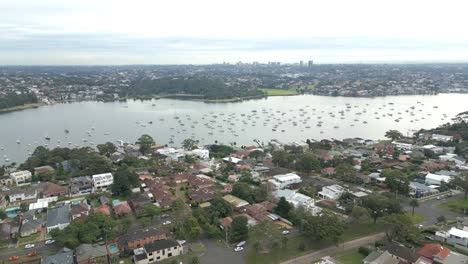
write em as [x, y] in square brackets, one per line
[40, 248]
[430, 211]
[216, 254]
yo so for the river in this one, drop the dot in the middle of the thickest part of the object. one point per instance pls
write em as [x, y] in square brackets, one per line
[169, 121]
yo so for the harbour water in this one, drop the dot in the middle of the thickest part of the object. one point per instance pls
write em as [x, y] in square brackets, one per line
[170, 121]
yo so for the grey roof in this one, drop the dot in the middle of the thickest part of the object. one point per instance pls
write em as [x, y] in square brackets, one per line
[420, 186]
[380, 257]
[63, 257]
[28, 191]
[59, 215]
[87, 251]
[161, 244]
[454, 258]
[448, 173]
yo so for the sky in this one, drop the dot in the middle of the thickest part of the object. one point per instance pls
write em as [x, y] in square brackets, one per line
[107, 32]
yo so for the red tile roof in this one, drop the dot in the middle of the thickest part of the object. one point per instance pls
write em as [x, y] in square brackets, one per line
[434, 250]
[103, 209]
[122, 209]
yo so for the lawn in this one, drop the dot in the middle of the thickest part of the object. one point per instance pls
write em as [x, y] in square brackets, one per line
[279, 92]
[352, 232]
[28, 239]
[455, 205]
[416, 218]
[197, 249]
[350, 257]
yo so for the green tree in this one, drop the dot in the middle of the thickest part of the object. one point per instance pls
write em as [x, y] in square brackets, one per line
[145, 142]
[359, 213]
[3, 214]
[282, 158]
[399, 227]
[284, 241]
[396, 181]
[441, 219]
[220, 207]
[195, 260]
[106, 149]
[308, 163]
[346, 172]
[257, 246]
[243, 191]
[239, 229]
[379, 205]
[151, 210]
[257, 155]
[192, 228]
[189, 143]
[393, 134]
[178, 204]
[326, 227]
[413, 203]
[124, 180]
[462, 182]
[283, 208]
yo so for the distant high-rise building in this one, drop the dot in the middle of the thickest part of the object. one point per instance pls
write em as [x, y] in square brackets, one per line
[311, 62]
[301, 63]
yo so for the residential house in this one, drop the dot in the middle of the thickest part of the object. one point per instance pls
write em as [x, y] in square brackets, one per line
[332, 192]
[140, 237]
[298, 200]
[458, 237]
[380, 257]
[65, 256]
[80, 211]
[442, 138]
[402, 146]
[201, 195]
[234, 201]
[91, 254]
[102, 181]
[157, 251]
[43, 170]
[122, 209]
[284, 181]
[58, 217]
[5, 181]
[21, 177]
[138, 202]
[30, 224]
[53, 189]
[10, 230]
[401, 253]
[81, 185]
[434, 179]
[22, 194]
[433, 251]
[103, 209]
[328, 171]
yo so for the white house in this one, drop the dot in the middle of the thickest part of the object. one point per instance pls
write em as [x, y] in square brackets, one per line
[283, 181]
[404, 146]
[102, 181]
[157, 251]
[22, 194]
[332, 192]
[453, 158]
[434, 179]
[201, 153]
[21, 177]
[172, 153]
[458, 237]
[443, 138]
[298, 199]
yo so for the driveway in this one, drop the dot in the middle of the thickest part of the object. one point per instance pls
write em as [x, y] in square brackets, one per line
[215, 254]
[430, 211]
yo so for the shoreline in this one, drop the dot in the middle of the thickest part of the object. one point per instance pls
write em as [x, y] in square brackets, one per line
[21, 107]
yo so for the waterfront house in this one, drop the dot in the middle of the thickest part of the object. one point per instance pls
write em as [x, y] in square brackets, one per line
[53, 189]
[102, 181]
[22, 194]
[157, 251]
[81, 185]
[58, 217]
[21, 177]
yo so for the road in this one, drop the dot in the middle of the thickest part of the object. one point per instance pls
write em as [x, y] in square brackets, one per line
[216, 254]
[429, 210]
[40, 248]
[363, 241]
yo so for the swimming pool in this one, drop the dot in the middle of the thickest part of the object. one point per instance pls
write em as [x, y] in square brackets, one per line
[113, 248]
[12, 215]
[12, 209]
[116, 201]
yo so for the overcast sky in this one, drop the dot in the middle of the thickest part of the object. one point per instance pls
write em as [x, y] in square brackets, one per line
[213, 31]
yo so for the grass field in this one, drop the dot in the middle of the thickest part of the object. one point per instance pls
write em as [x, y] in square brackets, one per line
[416, 218]
[279, 92]
[350, 257]
[455, 205]
[352, 232]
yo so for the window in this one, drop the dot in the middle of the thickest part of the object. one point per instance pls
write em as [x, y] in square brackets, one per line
[175, 247]
[158, 258]
[169, 255]
[151, 254]
[151, 259]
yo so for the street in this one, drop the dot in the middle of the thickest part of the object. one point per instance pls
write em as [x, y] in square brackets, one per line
[429, 210]
[40, 248]
[216, 254]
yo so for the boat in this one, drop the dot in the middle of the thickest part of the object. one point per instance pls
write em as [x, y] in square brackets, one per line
[67, 131]
[47, 138]
[18, 142]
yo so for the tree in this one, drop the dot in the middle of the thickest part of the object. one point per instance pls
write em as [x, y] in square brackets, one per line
[283, 208]
[145, 142]
[189, 143]
[399, 227]
[284, 241]
[396, 181]
[243, 191]
[308, 163]
[3, 214]
[257, 154]
[379, 205]
[106, 149]
[413, 203]
[326, 227]
[257, 246]
[195, 260]
[359, 213]
[178, 204]
[151, 210]
[239, 229]
[441, 219]
[282, 158]
[124, 180]
[191, 228]
[346, 172]
[462, 182]
[393, 134]
[220, 207]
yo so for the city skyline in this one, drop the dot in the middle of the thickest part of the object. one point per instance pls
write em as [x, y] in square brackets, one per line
[206, 32]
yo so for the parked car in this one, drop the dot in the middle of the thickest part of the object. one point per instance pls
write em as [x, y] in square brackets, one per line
[238, 249]
[13, 258]
[32, 254]
[167, 223]
[242, 243]
[285, 232]
[181, 241]
[429, 238]
[29, 246]
[49, 241]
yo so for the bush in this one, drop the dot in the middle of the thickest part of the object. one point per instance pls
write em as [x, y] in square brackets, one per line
[301, 246]
[364, 251]
[379, 243]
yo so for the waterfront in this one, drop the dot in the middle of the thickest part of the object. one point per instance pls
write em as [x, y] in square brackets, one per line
[169, 121]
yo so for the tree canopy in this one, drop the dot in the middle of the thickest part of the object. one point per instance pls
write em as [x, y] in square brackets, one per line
[145, 142]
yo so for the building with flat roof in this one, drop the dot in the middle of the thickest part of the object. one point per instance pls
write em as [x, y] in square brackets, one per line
[102, 181]
[21, 177]
[285, 180]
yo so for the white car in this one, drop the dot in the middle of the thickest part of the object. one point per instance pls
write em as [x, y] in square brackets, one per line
[181, 241]
[285, 232]
[238, 249]
[167, 223]
[49, 241]
[29, 246]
